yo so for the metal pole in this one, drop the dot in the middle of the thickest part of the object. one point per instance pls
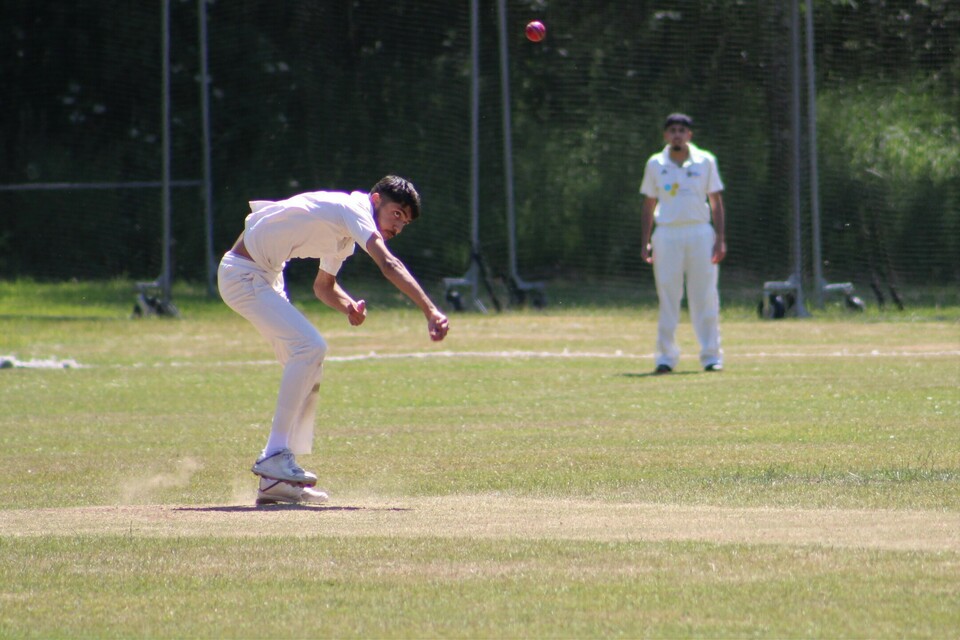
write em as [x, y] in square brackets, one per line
[818, 280]
[207, 172]
[474, 142]
[165, 276]
[797, 275]
[507, 140]
[475, 270]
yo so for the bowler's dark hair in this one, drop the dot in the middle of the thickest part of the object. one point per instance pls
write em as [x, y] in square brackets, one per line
[401, 191]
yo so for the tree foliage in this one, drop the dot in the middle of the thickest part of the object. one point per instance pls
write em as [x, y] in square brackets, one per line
[311, 95]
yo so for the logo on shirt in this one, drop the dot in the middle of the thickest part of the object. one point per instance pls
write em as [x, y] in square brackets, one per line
[672, 189]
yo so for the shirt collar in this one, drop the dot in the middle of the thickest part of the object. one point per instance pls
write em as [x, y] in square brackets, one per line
[695, 155]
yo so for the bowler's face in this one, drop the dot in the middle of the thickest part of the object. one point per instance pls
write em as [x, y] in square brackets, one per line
[677, 136]
[391, 218]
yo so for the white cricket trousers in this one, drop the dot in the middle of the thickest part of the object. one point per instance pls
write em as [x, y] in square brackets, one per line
[257, 295]
[680, 251]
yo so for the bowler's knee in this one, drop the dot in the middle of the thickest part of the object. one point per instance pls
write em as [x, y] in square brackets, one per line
[318, 350]
[313, 350]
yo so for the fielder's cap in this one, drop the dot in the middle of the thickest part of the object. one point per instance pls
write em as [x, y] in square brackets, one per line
[679, 118]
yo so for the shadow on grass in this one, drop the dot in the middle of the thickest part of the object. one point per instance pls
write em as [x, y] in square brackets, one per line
[654, 374]
[285, 507]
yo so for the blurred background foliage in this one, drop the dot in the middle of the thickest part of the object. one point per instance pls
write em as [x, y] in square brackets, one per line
[335, 94]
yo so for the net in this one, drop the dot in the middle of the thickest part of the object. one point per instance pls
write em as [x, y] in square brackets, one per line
[81, 129]
[334, 95]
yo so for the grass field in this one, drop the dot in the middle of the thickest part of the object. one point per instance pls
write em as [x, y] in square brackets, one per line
[527, 477]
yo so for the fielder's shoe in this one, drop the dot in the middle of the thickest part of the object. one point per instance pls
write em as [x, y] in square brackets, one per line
[662, 369]
[283, 466]
[716, 366]
[280, 492]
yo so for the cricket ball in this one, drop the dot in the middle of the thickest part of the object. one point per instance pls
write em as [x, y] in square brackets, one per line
[536, 31]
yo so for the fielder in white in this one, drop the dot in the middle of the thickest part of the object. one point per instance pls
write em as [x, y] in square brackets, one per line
[325, 225]
[678, 183]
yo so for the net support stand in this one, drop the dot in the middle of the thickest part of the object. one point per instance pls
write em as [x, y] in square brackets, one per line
[470, 280]
[156, 298]
[152, 300]
[519, 288]
[781, 297]
[795, 281]
[476, 269]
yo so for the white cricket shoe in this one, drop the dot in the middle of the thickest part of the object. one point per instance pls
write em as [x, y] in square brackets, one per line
[283, 466]
[280, 492]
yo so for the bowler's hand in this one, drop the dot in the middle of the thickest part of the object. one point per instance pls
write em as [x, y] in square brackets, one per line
[437, 326]
[357, 313]
[719, 251]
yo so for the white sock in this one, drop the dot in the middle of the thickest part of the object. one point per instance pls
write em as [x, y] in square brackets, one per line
[276, 442]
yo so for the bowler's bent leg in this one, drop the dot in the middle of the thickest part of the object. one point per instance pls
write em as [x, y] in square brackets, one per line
[301, 436]
[299, 388]
[254, 294]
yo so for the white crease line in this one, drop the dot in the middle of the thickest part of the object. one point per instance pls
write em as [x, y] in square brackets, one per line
[10, 362]
[615, 355]
[621, 355]
[373, 355]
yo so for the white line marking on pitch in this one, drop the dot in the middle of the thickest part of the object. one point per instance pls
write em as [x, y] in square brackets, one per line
[53, 363]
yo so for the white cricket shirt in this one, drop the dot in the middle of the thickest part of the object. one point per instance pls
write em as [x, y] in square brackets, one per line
[318, 224]
[681, 191]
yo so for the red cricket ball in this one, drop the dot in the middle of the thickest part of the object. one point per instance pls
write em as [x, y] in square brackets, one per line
[536, 31]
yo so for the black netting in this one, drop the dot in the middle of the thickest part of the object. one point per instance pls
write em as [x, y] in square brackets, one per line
[333, 95]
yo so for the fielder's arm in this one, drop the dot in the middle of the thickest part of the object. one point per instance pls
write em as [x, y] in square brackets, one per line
[395, 271]
[646, 228]
[718, 214]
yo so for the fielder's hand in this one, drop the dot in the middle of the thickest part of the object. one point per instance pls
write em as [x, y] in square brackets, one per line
[719, 251]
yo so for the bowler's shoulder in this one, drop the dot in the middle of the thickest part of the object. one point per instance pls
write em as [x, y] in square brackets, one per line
[359, 203]
[323, 197]
[327, 202]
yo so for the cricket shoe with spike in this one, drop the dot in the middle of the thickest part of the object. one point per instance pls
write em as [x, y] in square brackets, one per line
[280, 492]
[283, 466]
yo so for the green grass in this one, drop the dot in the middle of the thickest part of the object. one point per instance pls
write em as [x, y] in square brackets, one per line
[382, 587]
[839, 412]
